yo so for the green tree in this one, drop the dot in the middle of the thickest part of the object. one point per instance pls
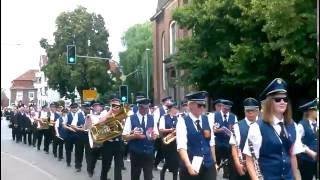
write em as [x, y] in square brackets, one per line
[136, 40]
[238, 46]
[87, 31]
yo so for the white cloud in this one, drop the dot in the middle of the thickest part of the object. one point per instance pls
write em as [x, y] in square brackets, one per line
[26, 22]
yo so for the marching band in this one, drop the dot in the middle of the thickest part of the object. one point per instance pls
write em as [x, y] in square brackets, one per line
[194, 144]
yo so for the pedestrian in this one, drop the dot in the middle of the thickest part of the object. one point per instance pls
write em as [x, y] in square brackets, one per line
[239, 137]
[308, 128]
[140, 131]
[273, 141]
[195, 141]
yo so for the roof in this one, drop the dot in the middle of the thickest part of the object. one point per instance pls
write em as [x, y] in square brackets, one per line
[160, 7]
[161, 3]
[29, 75]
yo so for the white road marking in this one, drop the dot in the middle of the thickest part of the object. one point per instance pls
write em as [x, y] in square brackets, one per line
[30, 164]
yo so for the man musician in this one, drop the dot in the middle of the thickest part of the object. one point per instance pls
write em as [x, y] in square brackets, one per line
[195, 141]
[141, 130]
[167, 125]
[239, 137]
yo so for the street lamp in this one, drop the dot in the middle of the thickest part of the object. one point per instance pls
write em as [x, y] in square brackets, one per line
[147, 49]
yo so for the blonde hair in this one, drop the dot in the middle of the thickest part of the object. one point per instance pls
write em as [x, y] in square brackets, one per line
[268, 111]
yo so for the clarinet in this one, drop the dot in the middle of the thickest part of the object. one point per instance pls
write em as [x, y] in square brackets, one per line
[242, 161]
[255, 161]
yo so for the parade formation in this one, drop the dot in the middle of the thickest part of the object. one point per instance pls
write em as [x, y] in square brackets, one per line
[194, 142]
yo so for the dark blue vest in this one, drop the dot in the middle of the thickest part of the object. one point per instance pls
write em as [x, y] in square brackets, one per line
[274, 160]
[244, 129]
[197, 144]
[56, 116]
[170, 123]
[222, 139]
[61, 130]
[309, 139]
[81, 121]
[141, 146]
[70, 134]
[135, 109]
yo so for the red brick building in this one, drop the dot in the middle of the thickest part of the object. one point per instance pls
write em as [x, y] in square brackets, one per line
[165, 34]
[23, 89]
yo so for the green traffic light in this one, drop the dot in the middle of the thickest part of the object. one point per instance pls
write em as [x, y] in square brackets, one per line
[71, 60]
[123, 98]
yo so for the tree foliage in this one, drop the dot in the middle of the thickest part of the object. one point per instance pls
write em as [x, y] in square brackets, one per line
[87, 31]
[238, 46]
[136, 40]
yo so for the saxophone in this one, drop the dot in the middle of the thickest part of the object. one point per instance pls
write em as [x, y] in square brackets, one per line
[170, 137]
[255, 161]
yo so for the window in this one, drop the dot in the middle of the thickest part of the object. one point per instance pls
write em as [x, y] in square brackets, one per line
[31, 94]
[19, 95]
[163, 64]
[173, 36]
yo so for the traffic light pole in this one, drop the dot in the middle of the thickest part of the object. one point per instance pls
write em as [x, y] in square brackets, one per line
[91, 57]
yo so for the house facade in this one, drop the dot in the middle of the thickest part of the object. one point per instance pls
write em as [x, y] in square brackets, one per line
[166, 32]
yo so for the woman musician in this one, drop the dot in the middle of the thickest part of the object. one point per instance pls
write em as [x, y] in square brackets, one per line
[167, 125]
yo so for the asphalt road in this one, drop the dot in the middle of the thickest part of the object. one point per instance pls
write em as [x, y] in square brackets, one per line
[22, 162]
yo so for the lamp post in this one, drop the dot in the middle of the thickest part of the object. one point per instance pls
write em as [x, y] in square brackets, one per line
[147, 67]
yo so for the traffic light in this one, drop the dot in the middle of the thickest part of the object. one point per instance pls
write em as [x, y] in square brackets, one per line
[123, 93]
[71, 54]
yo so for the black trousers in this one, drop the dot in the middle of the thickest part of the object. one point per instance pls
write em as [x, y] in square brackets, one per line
[308, 169]
[79, 150]
[57, 145]
[29, 137]
[48, 136]
[18, 134]
[204, 174]
[92, 157]
[40, 133]
[234, 174]
[171, 160]
[112, 150]
[159, 149]
[141, 162]
[14, 133]
[69, 143]
[224, 153]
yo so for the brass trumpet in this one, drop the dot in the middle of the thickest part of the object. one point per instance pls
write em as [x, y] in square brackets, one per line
[170, 137]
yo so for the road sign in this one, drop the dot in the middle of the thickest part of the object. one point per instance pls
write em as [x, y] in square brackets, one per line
[89, 95]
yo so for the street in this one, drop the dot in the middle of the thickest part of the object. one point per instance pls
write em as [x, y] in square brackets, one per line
[19, 161]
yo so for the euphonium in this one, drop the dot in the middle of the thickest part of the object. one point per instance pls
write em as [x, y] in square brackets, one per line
[110, 128]
[45, 123]
[170, 137]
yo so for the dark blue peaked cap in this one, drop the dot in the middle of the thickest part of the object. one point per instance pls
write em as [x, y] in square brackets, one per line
[166, 98]
[309, 105]
[173, 104]
[143, 101]
[278, 85]
[217, 101]
[199, 96]
[226, 102]
[73, 105]
[250, 103]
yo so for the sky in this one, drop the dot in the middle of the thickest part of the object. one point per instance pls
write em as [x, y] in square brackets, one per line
[24, 23]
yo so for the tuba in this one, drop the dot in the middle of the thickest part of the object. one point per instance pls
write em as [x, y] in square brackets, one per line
[170, 137]
[44, 123]
[110, 128]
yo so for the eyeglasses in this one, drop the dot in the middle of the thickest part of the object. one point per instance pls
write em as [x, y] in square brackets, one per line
[115, 106]
[278, 99]
[201, 105]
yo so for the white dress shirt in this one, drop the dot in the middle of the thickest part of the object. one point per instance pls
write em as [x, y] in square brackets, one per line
[181, 128]
[162, 122]
[211, 118]
[75, 118]
[236, 130]
[156, 113]
[43, 115]
[301, 128]
[254, 135]
[127, 126]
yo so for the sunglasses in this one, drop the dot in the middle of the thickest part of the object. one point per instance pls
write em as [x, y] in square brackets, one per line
[115, 106]
[278, 99]
[201, 105]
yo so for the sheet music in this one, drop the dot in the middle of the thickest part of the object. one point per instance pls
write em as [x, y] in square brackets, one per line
[196, 163]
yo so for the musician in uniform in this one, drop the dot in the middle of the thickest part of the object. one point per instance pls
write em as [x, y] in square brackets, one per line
[60, 134]
[157, 114]
[217, 104]
[71, 133]
[42, 114]
[223, 121]
[195, 141]
[53, 117]
[112, 148]
[93, 149]
[239, 137]
[307, 161]
[167, 126]
[273, 140]
[184, 108]
[141, 130]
